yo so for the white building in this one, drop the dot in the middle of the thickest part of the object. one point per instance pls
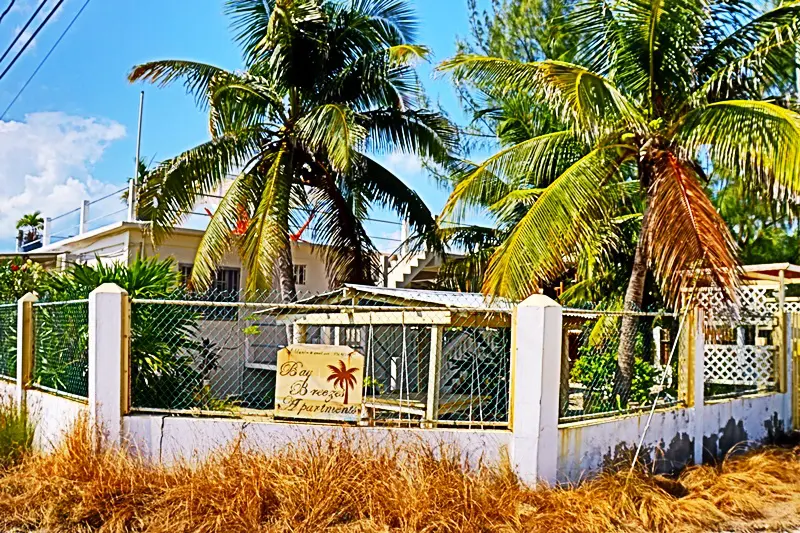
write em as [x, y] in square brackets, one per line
[101, 231]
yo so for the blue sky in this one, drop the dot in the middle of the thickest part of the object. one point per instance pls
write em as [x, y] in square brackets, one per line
[72, 133]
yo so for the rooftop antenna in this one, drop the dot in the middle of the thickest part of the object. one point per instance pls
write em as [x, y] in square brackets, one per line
[132, 200]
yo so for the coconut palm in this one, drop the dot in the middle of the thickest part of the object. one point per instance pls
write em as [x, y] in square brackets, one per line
[660, 94]
[327, 85]
[31, 225]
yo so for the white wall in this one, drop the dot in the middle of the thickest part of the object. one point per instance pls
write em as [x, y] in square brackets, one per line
[54, 417]
[171, 439]
[586, 447]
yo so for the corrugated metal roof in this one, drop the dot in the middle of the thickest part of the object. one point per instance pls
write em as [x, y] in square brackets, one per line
[459, 300]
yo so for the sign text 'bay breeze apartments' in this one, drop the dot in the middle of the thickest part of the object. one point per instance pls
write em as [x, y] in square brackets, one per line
[319, 382]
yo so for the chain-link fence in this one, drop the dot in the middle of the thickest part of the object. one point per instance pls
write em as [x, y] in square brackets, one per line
[618, 362]
[8, 341]
[61, 347]
[412, 362]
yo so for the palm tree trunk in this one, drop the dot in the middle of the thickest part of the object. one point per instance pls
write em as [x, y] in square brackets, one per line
[285, 271]
[634, 296]
[346, 389]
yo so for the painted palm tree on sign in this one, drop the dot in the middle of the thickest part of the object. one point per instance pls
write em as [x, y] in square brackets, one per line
[343, 377]
[660, 95]
[327, 85]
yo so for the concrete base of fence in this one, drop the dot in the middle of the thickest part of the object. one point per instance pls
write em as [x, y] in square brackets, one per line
[176, 439]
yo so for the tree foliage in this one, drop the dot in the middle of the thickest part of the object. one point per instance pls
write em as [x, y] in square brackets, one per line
[326, 86]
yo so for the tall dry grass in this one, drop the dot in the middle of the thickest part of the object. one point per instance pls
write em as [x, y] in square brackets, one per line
[334, 486]
[16, 433]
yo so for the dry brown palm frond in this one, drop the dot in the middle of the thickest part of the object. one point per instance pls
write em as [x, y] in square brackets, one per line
[684, 231]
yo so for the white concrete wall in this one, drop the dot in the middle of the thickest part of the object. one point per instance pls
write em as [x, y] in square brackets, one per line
[171, 439]
[7, 388]
[54, 417]
[586, 447]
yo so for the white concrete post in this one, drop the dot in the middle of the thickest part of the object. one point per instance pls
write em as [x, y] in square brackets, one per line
[535, 383]
[83, 225]
[697, 371]
[46, 232]
[25, 336]
[109, 363]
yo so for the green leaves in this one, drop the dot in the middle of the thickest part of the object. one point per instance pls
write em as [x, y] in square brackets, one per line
[563, 219]
[759, 141]
[583, 99]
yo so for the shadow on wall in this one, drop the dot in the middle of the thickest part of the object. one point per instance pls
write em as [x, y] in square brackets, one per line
[659, 459]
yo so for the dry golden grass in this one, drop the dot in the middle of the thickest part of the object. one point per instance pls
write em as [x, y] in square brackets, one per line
[325, 486]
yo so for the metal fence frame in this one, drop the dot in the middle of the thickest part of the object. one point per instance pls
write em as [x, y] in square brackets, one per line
[596, 364]
[8, 341]
[473, 328]
[61, 348]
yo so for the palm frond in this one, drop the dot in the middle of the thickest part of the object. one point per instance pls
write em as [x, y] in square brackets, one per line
[757, 140]
[267, 236]
[197, 77]
[177, 183]
[683, 231]
[584, 99]
[534, 162]
[425, 133]
[561, 221]
[219, 236]
[332, 129]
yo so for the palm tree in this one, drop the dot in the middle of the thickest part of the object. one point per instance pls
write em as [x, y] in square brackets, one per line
[31, 224]
[343, 377]
[326, 85]
[661, 94]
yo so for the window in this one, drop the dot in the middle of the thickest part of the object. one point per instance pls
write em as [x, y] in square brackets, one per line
[300, 274]
[224, 288]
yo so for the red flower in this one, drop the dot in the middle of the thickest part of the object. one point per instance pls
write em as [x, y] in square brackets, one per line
[14, 268]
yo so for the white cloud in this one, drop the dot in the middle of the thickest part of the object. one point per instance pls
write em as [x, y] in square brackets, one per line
[403, 164]
[46, 161]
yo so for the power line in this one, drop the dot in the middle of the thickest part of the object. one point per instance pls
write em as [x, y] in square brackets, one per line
[25, 27]
[7, 9]
[29, 41]
[44, 59]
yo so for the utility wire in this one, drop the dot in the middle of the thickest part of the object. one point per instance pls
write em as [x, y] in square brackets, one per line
[29, 41]
[44, 59]
[25, 27]
[7, 9]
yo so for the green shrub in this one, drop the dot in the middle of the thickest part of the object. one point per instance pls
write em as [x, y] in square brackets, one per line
[165, 339]
[596, 369]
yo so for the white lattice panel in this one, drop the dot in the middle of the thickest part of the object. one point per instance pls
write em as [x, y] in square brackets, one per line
[754, 305]
[727, 364]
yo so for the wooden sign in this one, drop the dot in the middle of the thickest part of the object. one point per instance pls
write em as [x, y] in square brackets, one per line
[319, 382]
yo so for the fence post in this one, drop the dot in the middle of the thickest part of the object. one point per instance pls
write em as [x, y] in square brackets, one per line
[25, 336]
[109, 362]
[695, 374]
[535, 382]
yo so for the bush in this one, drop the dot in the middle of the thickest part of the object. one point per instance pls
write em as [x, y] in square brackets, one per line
[164, 338]
[19, 277]
[596, 369]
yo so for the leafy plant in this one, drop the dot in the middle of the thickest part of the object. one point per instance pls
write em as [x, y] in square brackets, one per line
[19, 277]
[656, 98]
[169, 362]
